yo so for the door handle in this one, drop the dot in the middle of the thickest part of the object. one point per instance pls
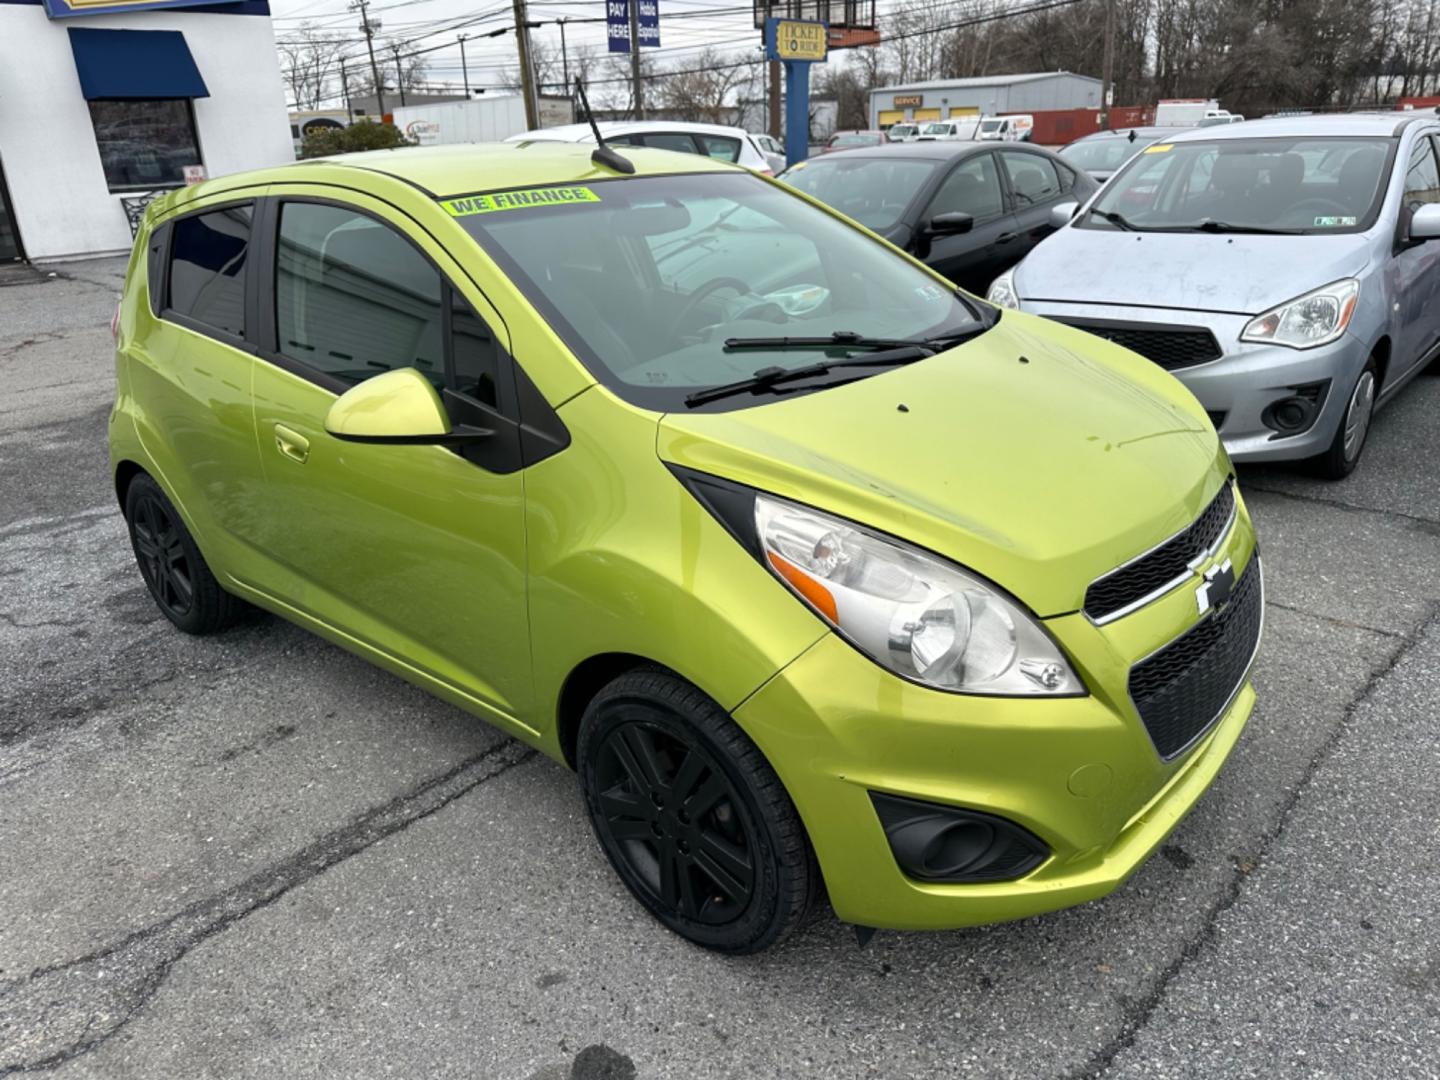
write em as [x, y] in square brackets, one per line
[292, 444]
[1005, 238]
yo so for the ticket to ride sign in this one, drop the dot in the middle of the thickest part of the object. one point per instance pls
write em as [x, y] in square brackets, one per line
[791, 39]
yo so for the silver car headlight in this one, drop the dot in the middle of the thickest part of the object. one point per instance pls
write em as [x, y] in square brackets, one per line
[1317, 318]
[1002, 291]
[912, 612]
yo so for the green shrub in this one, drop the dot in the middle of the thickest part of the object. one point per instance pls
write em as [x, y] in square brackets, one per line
[364, 135]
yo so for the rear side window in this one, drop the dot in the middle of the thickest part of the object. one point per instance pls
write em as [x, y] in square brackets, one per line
[1032, 178]
[720, 148]
[665, 140]
[353, 298]
[207, 268]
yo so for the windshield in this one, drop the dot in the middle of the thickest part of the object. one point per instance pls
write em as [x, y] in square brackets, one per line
[902, 129]
[858, 139]
[645, 279]
[1310, 185]
[936, 129]
[990, 125]
[873, 190]
[1102, 155]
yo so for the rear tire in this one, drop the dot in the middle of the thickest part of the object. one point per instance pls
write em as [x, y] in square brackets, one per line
[1340, 458]
[691, 815]
[179, 580]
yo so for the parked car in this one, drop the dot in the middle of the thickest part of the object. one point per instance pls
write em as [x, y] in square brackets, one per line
[1102, 153]
[903, 132]
[1285, 270]
[958, 128]
[812, 567]
[771, 147]
[710, 140]
[851, 140]
[968, 209]
[1016, 128]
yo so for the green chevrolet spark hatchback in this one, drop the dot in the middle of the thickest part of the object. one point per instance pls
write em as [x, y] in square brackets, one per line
[813, 568]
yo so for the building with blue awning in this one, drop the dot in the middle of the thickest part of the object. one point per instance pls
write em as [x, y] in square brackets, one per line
[105, 103]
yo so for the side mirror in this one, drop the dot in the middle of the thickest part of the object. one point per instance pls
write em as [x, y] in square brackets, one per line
[399, 407]
[951, 224]
[1425, 222]
[1061, 214]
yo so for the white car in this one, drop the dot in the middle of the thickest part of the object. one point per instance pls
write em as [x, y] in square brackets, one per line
[711, 140]
[948, 130]
[904, 131]
[772, 148]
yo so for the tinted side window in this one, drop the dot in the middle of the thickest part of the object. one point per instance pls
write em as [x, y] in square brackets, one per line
[1422, 180]
[207, 267]
[972, 188]
[1032, 178]
[353, 297]
[666, 140]
[477, 360]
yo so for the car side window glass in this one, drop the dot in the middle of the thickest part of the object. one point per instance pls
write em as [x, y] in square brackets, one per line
[720, 148]
[668, 140]
[1422, 179]
[207, 267]
[354, 299]
[477, 357]
[1032, 178]
[1067, 177]
[973, 187]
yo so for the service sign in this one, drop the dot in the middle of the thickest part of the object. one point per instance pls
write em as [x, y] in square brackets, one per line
[902, 100]
[791, 39]
[64, 9]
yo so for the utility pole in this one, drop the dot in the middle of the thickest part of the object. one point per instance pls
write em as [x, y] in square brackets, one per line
[527, 73]
[400, 76]
[368, 28]
[464, 70]
[564, 56]
[345, 92]
[634, 6]
[1107, 66]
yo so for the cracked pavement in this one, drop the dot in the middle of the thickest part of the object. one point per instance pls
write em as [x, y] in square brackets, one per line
[255, 855]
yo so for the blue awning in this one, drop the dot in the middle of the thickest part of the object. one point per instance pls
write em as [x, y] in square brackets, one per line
[135, 64]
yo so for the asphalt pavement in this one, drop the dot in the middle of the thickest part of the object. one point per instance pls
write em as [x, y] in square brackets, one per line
[254, 855]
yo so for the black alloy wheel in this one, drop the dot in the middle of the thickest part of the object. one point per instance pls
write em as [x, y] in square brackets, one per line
[691, 815]
[161, 555]
[670, 810]
[179, 579]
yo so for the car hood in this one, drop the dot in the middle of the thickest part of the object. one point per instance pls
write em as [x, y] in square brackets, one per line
[1235, 273]
[1036, 455]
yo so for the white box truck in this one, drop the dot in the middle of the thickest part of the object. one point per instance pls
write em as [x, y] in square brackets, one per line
[1185, 112]
[485, 119]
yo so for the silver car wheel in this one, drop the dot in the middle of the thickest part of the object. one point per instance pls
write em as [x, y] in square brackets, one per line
[1357, 416]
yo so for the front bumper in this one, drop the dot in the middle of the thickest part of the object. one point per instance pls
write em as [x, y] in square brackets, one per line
[1248, 378]
[1079, 773]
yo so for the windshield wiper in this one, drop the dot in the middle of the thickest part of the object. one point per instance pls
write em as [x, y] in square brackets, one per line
[840, 339]
[1210, 225]
[1116, 219]
[765, 378]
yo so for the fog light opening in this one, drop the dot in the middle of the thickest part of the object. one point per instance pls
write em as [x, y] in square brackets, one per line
[1296, 414]
[946, 843]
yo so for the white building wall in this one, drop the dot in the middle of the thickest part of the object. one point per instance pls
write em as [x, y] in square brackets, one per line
[59, 198]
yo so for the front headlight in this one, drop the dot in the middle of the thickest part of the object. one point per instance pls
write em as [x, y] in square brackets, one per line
[908, 610]
[1317, 318]
[1002, 291]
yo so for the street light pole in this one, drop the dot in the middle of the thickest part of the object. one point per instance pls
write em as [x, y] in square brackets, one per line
[527, 74]
[1107, 66]
[464, 70]
[345, 91]
[564, 56]
[634, 6]
[400, 76]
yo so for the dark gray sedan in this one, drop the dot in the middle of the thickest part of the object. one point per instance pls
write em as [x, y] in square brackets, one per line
[970, 210]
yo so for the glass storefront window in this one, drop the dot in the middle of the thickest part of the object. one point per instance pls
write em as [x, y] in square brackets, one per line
[145, 144]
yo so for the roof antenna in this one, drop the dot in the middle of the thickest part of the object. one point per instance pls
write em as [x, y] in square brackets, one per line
[603, 156]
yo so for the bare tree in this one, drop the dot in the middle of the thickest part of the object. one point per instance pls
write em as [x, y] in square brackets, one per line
[398, 68]
[707, 88]
[310, 62]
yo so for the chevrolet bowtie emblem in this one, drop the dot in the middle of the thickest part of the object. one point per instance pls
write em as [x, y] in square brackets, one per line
[1214, 591]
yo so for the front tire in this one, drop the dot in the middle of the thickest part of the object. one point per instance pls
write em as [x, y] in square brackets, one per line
[691, 815]
[179, 580]
[1339, 460]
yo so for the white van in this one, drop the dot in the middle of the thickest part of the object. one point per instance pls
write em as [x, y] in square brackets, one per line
[960, 127]
[1006, 128]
